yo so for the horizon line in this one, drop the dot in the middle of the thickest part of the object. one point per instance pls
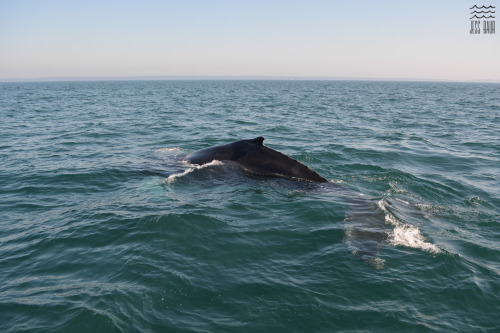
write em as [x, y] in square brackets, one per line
[232, 78]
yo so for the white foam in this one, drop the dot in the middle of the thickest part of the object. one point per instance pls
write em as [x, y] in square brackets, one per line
[173, 177]
[403, 201]
[214, 162]
[167, 149]
[191, 168]
[395, 188]
[405, 234]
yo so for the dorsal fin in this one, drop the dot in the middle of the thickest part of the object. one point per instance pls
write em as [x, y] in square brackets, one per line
[258, 141]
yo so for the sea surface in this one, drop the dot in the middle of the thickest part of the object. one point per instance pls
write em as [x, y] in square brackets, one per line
[104, 227]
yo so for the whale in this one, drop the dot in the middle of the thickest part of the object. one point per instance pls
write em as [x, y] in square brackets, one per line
[365, 229]
[252, 156]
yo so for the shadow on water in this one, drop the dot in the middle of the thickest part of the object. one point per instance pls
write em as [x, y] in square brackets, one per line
[365, 229]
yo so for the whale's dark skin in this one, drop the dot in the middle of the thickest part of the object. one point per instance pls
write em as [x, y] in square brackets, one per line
[256, 158]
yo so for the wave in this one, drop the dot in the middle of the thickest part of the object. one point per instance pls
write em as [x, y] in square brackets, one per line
[405, 234]
[192, 168]
[480, 17]
[485, 12]
[482, 7]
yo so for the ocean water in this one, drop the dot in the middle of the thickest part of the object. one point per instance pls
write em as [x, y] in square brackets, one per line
[105, 228]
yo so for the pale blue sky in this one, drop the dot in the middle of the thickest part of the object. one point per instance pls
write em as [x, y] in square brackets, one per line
[357, 39]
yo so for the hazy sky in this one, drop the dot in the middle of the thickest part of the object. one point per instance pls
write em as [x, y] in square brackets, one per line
[359, 39]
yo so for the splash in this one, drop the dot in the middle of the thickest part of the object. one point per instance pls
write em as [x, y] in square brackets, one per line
[405, 234]
[161, 150]
[191, 168]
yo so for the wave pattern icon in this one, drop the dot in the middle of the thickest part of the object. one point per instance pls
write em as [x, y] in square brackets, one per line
[480, 10]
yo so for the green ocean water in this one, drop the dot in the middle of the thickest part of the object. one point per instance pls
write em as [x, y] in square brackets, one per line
[105, 228]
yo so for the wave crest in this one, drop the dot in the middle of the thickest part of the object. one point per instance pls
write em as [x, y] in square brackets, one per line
[406, 234]
[191, 168]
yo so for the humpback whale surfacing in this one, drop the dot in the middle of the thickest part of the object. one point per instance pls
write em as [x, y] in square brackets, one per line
[256, 158]
[365, 223]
